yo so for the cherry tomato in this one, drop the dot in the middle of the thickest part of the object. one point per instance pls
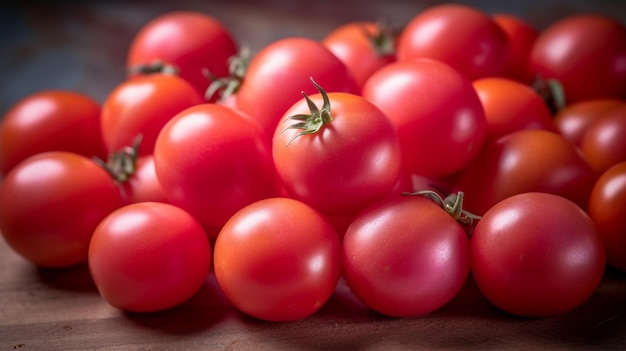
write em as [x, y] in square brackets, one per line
[211, 161]
[573, 120]
[338, 157]
[141, 106]
[607, 205]
[51, 120]
[277, 260]
[404, 256]
[192, 42]
[50, 204]
[525, 161]
[511, 106]
[537, 255]
[571, 51]
[604, 142]
[459, 35]
[440, 120]
[149, 256]
[522, 37]
[281, 71]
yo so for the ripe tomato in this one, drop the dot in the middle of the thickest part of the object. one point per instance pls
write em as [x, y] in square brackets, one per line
[522, 37]
[149, 256]
[338, 157]
[363, 47]
[278, 260]
[440, 120]
[281, 71]
[570, 51]
[141, 106]
[52, 120]
[536, 255]
[190, 41]
[607, 205]
[404, 256]
[50, 204]
[573, 120]
[525, 161]
[604, 142]
[511, 106]
[211, 161]
[459, 35]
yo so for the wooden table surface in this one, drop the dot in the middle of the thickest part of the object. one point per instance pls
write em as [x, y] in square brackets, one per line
[81, 46]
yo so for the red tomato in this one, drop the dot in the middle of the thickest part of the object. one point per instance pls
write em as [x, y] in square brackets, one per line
[281, 71]
[141, 106]
[607, 205]
[277, 260]
[536, 255]
[50, 204]
[459, 35]
[586, 53]
[604, 141]
[440, 120]
[363, 47]
[149, 256]
[573, 120]
[53, 120]
[522, 37]
[405, 256]
[511, 106]
[211, 161]
[525, 161]
[339, 157]
[190, 41]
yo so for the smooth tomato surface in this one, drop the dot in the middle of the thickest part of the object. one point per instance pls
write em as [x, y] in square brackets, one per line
[604, 141]
[522, 37]
[573, 120]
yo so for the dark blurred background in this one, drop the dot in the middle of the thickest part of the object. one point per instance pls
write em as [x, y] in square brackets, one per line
[81, 45]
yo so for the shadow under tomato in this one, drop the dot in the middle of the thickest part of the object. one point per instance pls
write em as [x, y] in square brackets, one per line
[75, 278]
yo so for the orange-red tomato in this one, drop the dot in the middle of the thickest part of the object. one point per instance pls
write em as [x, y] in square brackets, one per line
[604, 141]
[574, 119]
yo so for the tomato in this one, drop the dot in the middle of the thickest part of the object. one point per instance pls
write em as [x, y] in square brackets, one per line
[525, 161]
[338, 157]
[537, 255]
[573, 120]
[278, 74]
[141, 106]
[522, 37]
[440, 120]
[404, 256]
[277, 259]
[149, 256]
[459, 35]
[511, 106]
[587, 67]
[211, 161]
[607, 205]
[50, 204]
[193, 42]
[363, 47]
[604, 143]
[50, 120]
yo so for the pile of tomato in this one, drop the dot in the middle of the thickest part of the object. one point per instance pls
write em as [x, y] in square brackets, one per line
[403, 159]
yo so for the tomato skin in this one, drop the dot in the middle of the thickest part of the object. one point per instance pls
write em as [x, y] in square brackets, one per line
[190, 41]
[50, 120]
[211, 161]
[573, 120]
[440, 120]
[525, 161]
[279, 73]
[51, 202]
[603, 143]
[522, 37]
[149, 256]
[569, 51]
[349, 163]
[511, 106]
[143, 105]
[393, 261]
[277, 259]
[537, 255]
[143, 185]
[607, 205]
[459, 35]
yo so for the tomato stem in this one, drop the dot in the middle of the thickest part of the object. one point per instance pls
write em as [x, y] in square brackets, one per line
[156, 66]
[552, 93]
[227, 86]
[383, 39]
[122, 164]
[452, 204]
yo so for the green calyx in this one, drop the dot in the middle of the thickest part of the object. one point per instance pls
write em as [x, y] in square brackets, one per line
[227, 86]
[313, 122]
[156, 66]
[122, 164]
[383, 39]
[452, 204]
[552, 93]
